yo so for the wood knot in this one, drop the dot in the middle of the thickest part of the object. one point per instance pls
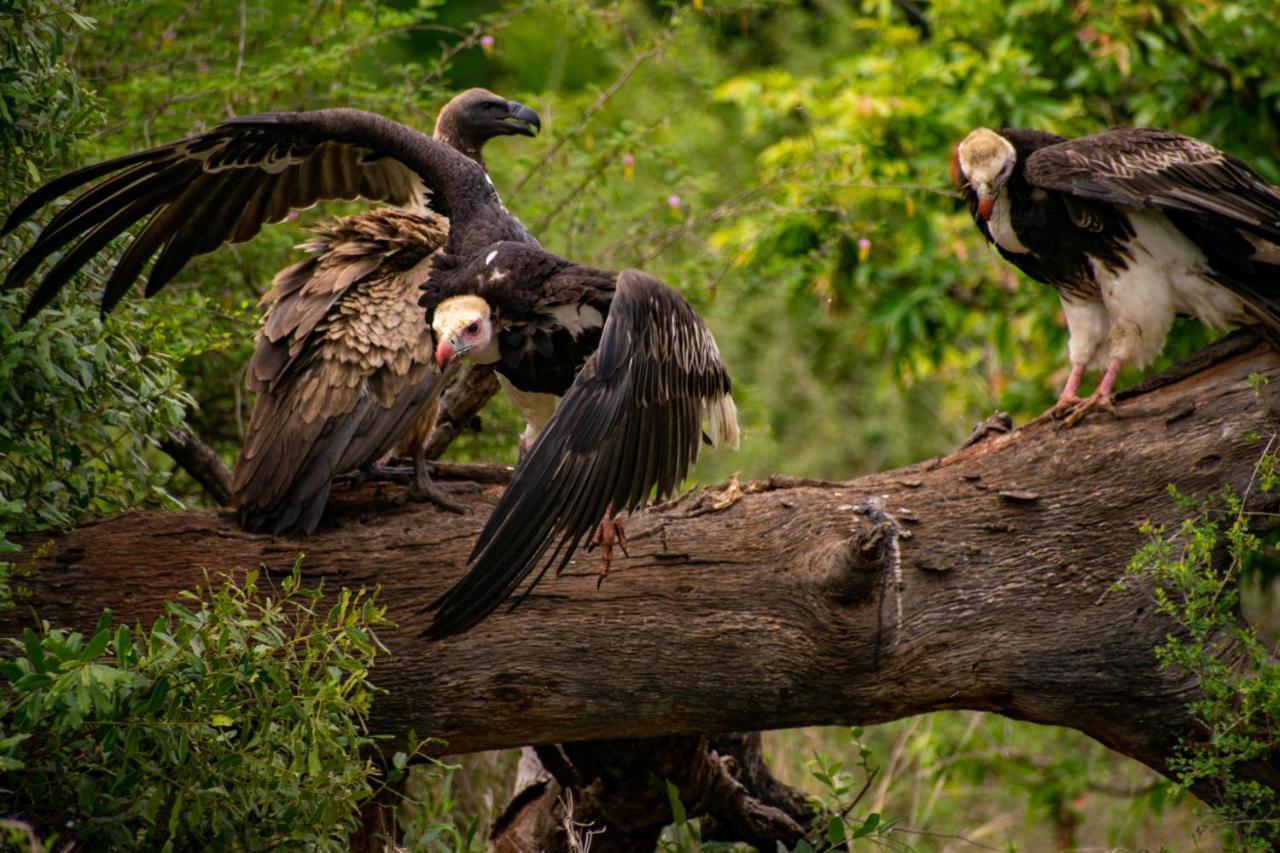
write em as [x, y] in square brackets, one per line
[851, 568]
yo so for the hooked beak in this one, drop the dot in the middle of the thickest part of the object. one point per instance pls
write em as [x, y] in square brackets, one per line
[522, 120]
[445, 354]
[986, 200]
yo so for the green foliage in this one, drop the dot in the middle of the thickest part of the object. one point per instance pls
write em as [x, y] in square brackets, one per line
[431, 815]
[78, 399]
[235, 722]
[1196, 575]
[843, 787]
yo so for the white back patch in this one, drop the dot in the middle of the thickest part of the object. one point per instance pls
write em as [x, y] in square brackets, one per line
[575, 319]
[489, 257]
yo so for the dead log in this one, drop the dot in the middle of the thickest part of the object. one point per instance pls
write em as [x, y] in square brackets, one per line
[984, 581]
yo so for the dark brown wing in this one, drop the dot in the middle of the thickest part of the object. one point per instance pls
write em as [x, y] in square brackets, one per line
[630, 425]
[343, 366]
[1142, 167]
[224, 185]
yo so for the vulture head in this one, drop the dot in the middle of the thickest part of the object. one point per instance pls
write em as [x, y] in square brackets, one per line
[463, 325]
[478, 115]
[983, 160]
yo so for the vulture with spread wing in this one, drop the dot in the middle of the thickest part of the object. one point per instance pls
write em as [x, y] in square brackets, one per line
[344, 367]
[615, 373]
[1132, 227]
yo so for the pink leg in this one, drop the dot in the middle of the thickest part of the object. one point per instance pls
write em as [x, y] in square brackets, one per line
[609, 533]
[1099, 399]
[1108, 383]
[1073, 383]
[1067, 400]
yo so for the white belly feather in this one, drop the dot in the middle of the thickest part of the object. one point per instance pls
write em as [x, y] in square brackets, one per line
[1166, 277]
[536, 408]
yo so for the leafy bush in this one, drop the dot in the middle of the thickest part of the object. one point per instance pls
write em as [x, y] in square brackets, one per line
[235, 722]
[1196, 571]
[79, 399]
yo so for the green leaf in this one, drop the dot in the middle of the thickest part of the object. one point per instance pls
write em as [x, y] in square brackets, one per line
[868, 827]
[677, 807]
[34, 649]
[221, 721]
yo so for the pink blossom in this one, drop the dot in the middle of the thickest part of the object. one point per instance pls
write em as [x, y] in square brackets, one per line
[674, 202]
[486, 44]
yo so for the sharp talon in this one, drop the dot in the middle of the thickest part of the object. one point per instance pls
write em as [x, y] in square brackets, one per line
[432, 494]
[609, 532]
[1093, 403]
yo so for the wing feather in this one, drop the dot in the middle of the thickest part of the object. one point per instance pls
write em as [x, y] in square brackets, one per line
[224, 185]
[1142, 167]
[629, 427]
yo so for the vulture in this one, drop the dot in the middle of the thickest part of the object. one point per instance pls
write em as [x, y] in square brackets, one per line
[343, 367]
[1132, 226]
[614, 372]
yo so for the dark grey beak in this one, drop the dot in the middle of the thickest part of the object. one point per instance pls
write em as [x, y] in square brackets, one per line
[522, 120]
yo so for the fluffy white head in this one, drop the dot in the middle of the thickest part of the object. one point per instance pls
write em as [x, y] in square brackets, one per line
[463, 325]
[985, 160]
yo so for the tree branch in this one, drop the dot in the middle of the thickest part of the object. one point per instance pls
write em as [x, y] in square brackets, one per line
[986, 580]
[201, 462]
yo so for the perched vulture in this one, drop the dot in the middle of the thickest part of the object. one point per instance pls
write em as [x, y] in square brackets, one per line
[1132, 227]
[633, 371]
[344, 366]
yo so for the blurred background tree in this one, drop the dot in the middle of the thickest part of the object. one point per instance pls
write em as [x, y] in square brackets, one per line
[783, 163]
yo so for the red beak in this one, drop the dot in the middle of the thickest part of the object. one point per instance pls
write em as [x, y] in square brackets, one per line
[444, 354]
[985, 206]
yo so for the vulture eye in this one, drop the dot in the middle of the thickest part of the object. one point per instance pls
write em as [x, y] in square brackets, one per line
[473, 328]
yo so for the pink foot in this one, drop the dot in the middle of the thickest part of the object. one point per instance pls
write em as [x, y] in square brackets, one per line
[1099, 400]
[609, 533]
[1068, 399]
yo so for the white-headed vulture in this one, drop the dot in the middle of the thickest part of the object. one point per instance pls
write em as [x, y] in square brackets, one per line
[344, 366]
[634, 371]
[1132, 227]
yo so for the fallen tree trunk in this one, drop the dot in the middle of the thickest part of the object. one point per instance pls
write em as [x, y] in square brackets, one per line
[984, 580]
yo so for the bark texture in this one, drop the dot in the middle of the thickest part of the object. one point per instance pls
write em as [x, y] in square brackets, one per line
[985, 580]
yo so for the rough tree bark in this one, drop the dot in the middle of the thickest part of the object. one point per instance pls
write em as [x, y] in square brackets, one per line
[985, 580]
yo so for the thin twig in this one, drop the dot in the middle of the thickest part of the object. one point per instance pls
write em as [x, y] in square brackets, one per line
[659, 45]
[470, 40]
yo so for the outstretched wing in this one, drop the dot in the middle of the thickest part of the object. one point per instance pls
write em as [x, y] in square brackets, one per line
[1142, 167]
[224, 185]
[630, 424]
